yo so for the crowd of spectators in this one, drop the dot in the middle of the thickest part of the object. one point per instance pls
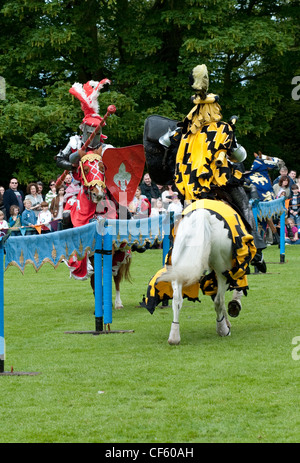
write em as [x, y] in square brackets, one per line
[37, 210]
[287, 185]
[33, 211]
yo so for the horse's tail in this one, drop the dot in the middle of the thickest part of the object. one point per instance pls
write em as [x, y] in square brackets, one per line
[192, 246]
[124, 269]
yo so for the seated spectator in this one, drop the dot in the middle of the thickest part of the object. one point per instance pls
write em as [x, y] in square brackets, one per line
[291, 231]
[294, 204]
[34, 197]
[149, 188]
[175, 205]
[140, 206]
[158, 208]
[3, 223]
[282, 185]
[51, 193]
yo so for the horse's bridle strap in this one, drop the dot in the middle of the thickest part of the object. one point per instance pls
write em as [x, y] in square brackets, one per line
[104, 252]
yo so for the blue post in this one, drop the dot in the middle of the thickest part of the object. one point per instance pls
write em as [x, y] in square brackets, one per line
[167, 236]
[98, 284]
[254, 210]
[2, 343]
[282, 237]
[166, 247]
[107, 275]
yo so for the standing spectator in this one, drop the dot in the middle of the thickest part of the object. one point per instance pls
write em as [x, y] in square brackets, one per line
[293, 176]
[3, 223]
[175, 205]
[15, 220]
[57, 204]
[167, 196]
[282, 171]
[13, 196]
[2, 207]
[68, 180]
[34, 197]
[28, 217]
[40, 186]
[283, 185]
[44, 217]
[149, 188]
[140, 206]
[52, 192]
[294, 205]
[15, 217]
[158, 209]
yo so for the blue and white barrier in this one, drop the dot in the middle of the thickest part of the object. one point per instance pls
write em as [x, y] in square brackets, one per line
[269, 209]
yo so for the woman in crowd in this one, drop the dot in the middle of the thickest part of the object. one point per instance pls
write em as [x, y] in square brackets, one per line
[282, 185]
[57, 204]
[51, 193]
[35, 198]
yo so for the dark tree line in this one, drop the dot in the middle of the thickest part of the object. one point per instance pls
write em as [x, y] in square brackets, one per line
[147, 49]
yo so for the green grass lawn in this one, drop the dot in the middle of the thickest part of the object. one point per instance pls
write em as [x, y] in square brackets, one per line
[135, 387]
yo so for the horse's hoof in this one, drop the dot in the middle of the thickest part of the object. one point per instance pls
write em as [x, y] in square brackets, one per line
[172, 342]
[234, 308]
[119, 306]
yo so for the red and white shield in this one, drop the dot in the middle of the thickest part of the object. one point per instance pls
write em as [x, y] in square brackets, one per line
[124, 169]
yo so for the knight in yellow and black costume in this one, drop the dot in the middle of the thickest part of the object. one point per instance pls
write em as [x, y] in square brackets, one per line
[207, 168]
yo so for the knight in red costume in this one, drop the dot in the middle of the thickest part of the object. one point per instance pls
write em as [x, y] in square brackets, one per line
[87, 94]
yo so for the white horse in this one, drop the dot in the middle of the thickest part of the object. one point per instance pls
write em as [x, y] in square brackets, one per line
[202, 243]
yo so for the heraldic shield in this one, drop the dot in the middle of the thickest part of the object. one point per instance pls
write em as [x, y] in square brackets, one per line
[124, 168]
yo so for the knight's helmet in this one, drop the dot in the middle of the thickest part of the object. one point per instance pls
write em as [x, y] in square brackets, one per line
[209, 110]
[88, 94]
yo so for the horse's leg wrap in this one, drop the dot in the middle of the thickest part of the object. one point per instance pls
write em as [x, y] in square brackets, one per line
[174, 336]
[222, 327]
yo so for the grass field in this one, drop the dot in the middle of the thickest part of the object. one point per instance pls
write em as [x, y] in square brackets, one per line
[134, 387]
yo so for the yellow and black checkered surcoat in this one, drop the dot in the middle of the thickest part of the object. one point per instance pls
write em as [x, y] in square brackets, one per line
[196, 169]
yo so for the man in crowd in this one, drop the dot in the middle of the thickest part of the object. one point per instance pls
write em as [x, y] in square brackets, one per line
[149, 188]
[13, 196]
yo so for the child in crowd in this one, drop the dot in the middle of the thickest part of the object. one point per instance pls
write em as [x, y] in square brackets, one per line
[158, 208]
[291, 231]
[175, 205]
[3, 223]
[140, 206]
[28, 216]
[44, 217]
[15, 216]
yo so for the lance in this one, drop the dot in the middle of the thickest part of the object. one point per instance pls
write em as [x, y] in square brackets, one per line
[110, 110]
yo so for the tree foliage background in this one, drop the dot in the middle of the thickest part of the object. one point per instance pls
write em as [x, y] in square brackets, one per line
[147, 48]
